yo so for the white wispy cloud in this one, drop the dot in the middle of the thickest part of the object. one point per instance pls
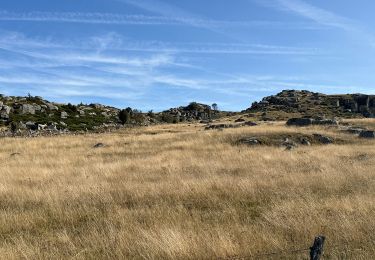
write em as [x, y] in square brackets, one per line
[181, 15]
[19, 43]
[139, 19]
[317, 14]
[323, 17]
[91, 18]
[110, 71]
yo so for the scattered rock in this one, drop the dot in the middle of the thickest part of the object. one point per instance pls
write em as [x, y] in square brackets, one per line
[305, 141]
[239, 120]
[355, 130]
[31, 126]
[367, 134]
[289, 144]
[42, 127]
[250, 141]
[250, 123]
[290, 147]
[363, 157]
[99, 145]
[52, 127]
[323, 139]
[219, 126]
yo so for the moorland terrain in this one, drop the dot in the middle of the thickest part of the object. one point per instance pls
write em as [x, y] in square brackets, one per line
[238, 185]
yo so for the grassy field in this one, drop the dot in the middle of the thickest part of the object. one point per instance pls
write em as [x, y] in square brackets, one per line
[179, 192]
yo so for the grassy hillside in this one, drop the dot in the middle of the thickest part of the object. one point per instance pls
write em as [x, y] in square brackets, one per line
[179, 192]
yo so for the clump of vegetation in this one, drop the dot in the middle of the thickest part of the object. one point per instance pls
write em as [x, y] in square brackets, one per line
[125, 115]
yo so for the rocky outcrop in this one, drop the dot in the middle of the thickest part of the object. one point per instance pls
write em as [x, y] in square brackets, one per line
[24, 114]
[312, 103]
[194, 111]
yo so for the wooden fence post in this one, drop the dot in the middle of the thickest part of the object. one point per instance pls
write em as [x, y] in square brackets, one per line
[316, 250]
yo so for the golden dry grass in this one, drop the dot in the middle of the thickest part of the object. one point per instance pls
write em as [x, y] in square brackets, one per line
[177, 192]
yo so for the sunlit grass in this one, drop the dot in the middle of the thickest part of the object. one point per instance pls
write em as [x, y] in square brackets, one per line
[178, 192]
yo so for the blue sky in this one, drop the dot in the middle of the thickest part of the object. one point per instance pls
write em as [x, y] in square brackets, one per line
[156, 54]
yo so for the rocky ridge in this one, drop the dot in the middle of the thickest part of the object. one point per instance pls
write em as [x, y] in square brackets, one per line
[37, 116]
[311, 104]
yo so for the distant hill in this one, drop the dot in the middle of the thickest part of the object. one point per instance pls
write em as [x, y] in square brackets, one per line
[294, 103]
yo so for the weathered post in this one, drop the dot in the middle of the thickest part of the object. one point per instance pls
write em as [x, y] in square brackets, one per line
[316, 250]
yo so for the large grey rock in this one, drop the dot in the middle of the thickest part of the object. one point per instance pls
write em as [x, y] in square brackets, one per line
[7, 109]
[37, 108]
[4, 115]
[311, 121]
[4, 112]
[105, 114]
[52, 107]
[64, 115]
[28, 109]
[300, 122]
[367, 134]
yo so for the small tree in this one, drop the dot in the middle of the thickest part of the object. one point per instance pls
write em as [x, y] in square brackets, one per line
[208, 112]
[193, 106]
[215, 107]
[129, 110]
[151, 114]
[124, 116]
